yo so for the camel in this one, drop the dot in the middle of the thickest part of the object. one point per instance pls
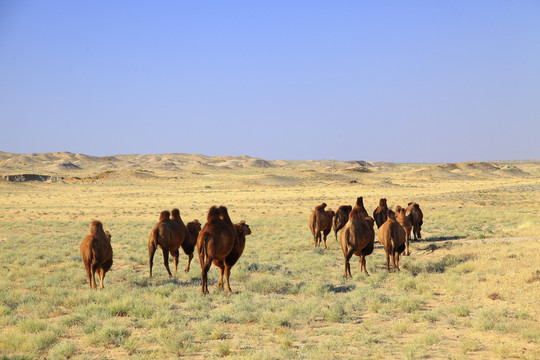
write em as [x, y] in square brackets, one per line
[242, 229]
[193, 228]
[358, 238]
[215, 242]
[341, 218]
[415, 215]
[392, 237]
[168, 235]
[380, 213]
[97, 253]
[321, 221]
[406, 225]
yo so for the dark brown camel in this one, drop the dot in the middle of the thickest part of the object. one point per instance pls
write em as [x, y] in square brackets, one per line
[406, 225]
[97, 253]
[215, 242]
[168, 235]
[392, 237]
[320, 221]
[341, 218]
[416, 217]
[193, 228]
[242, 229]
[358, 238]
[380, 213]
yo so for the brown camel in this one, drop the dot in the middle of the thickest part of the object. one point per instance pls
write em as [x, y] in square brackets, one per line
[416, 217]
[358, 238]
[406, 225]
[193, 228]
[380, 213]
[242, 229]
[97, 253]
[341, 218]
[320, 221]
[392, 237]
[168, 235]
[215, 242]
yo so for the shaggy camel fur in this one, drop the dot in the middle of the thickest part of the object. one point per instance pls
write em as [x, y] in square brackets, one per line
[341, 218]
[392, 237]
[358, 238]
[97, 253]
[321, 221]
[168, 235]
[380, 213]
[416, 217]
[242, 229]
[215, 242]
[406, 225]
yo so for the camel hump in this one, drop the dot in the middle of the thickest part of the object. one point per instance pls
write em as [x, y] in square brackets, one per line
[175, 214]
[355, 213]
[96, 228]
[224, 214]
[320, 207]
[213, 214]
[360, 201]
[164, 216]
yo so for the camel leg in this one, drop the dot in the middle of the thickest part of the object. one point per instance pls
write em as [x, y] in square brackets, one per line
[176, 256]
[324, 238]
[363, 264]
[101, 275]
[151, 251]
[347, 265]
[88, 273]
[94, 269]
[204, 277]
[189, 262]
[227, 276]
[166, 262]
[221, 267]
[397, 262]
[407, 251]
[387, 261]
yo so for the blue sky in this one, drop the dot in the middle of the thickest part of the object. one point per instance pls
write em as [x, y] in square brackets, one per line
[404, 81]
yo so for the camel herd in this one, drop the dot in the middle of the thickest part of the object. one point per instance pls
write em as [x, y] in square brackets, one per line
[358, 236]
[220, 242]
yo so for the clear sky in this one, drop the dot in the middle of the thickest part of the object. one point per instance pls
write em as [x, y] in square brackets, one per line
[404, 81]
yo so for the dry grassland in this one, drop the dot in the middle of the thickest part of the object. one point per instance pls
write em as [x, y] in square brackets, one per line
[469, 290]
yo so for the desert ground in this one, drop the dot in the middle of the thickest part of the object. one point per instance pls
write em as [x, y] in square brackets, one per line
[469, 290]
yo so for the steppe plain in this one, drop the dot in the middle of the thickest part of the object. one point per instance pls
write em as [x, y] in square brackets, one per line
[469, 290]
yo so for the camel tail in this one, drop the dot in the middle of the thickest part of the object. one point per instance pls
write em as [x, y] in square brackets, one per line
[395, 238]
[314, 225]
[154, 236]
[204, 248]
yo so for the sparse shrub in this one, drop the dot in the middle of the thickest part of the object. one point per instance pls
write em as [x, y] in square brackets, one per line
[408, 303]
[63, 350]
[31, 326]
[224, 348]
[469, 345]
[461, 310]
[268, 284]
